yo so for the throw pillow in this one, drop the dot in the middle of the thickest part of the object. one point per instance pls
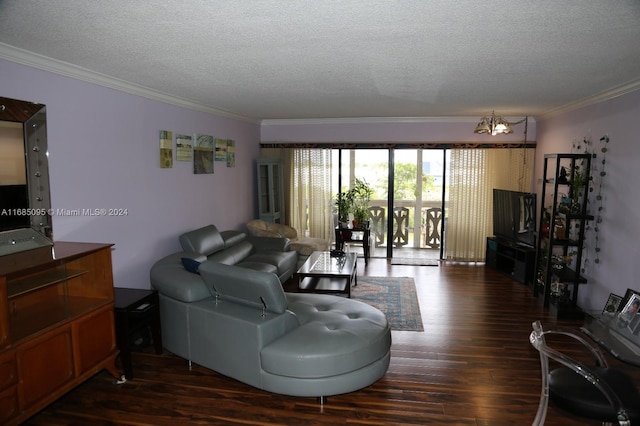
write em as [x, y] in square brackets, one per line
[191, 265]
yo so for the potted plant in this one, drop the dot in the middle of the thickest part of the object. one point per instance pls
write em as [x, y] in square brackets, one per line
[577, 185]
[355, 201]
[362, 193]
[344, 203]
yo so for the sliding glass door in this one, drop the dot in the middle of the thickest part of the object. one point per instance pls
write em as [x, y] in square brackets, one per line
[372, 166]
[418, 183]
[411, 224]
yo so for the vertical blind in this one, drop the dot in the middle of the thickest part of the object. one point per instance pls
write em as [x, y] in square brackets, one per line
[474, 173]
[310, 197]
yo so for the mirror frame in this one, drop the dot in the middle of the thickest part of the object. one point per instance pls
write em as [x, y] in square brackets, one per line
[33, 117]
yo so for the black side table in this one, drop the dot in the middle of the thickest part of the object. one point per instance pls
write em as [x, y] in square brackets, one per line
[354, 235]
[134, 310]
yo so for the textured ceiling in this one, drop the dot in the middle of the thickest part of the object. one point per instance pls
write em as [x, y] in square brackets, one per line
[281, 59]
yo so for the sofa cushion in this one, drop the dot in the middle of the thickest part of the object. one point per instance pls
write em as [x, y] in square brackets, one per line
[335, 336]
[206, 240]
[231, 238]
[308, 245]
[244, 286]
[262, 228]
[283, 260]
[233, 254]
[259, 266]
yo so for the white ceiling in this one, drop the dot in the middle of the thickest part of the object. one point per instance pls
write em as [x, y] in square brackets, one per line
[286, 59]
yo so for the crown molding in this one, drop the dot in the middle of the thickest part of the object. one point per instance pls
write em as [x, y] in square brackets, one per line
[55, 66]
[382, 120]
[617, 91]
[367, 120]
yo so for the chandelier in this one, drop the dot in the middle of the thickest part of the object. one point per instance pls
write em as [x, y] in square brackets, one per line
[494, 125]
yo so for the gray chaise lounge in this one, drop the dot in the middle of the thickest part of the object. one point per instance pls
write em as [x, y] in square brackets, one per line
[240, 323]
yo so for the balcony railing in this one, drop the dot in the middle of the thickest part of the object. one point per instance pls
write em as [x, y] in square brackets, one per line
[426, 233]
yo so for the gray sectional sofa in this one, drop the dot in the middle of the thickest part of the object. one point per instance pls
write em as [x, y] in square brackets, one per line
[238, 321]
[236, 248]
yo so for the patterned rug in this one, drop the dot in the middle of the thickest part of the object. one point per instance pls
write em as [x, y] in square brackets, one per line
[395, 296]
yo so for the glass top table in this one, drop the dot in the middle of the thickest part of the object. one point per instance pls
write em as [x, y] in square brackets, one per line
[323, 273]
[614, 334]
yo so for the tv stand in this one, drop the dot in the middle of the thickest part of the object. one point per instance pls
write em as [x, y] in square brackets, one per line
[514, 260]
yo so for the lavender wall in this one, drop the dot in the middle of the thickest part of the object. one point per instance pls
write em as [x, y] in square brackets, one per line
[619, 232]
[104, 153]
[392, 130]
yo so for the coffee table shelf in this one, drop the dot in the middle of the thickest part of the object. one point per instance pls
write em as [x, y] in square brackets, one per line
[323, 273]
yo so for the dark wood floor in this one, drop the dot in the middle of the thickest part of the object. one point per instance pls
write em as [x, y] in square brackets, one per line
[473, 365]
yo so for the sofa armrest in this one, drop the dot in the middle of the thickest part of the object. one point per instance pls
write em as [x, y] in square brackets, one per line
[269, 243]
[171, 279]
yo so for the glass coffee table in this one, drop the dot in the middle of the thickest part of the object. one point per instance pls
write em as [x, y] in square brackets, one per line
[323, 273]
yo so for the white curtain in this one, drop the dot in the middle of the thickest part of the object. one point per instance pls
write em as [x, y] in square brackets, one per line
[310, 196]
[474, 173]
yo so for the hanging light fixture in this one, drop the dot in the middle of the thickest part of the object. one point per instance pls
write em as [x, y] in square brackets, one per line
[493, 125]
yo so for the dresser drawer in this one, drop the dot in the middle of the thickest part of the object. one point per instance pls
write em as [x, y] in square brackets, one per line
[8, 370]
[8, 404]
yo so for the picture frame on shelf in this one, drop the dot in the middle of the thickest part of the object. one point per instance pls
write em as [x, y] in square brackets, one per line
[613, 304]
[631, 313]
[627, 297]
[634, 324]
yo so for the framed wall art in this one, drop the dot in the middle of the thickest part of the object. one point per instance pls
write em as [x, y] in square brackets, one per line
[203, 154]
[184, 147]
[221, 150]
[231, 153]
[166, 149]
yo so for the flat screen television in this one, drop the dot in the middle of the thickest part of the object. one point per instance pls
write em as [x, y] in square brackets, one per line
[514, 217]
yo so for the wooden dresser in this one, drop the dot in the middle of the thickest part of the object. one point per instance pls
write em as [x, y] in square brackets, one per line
[56, 324]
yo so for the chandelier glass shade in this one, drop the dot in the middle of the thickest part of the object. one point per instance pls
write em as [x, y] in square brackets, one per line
[494, 125]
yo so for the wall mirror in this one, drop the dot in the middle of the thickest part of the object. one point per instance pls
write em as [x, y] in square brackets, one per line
[25, 202]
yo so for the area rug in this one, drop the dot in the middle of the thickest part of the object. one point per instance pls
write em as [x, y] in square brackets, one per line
[395, 296]
[415, 261]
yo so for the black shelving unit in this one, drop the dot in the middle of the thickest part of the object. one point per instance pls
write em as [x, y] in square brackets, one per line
[563, 220]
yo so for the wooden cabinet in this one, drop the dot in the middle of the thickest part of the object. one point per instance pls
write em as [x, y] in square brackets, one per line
[56, 324]
[270, 197]
[8, 386]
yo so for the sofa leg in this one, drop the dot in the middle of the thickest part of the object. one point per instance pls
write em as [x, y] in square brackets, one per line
[322, 400]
